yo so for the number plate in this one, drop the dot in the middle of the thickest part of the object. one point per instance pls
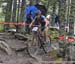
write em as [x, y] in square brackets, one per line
[35, 29]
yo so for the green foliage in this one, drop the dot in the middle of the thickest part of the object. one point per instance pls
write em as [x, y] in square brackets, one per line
[44, 1]
[53, 33]
[1, 26]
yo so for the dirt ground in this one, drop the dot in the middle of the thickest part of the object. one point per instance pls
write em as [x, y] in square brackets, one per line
[38, 56]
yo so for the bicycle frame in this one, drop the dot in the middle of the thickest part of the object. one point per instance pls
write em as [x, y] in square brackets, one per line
[40, 39]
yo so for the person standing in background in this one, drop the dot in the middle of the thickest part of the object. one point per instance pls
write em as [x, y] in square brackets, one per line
[57, 20]
[42, 8]
[48, 24]
[30, 12]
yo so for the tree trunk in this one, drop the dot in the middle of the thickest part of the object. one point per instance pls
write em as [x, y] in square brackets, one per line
[53, 13]
[22, 10]
[14, 11]
[48, 3]
[18, 15]
[8, 13]
[22, 15]
[62, 9]
[72, 18]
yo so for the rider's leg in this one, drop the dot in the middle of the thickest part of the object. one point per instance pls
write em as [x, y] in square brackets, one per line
[44, 35]
[46, 31]
[26, 28]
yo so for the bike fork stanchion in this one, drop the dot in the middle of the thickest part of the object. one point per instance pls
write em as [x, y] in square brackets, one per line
[42, 44]
[50, 40]
[43, 49]
[27, 50]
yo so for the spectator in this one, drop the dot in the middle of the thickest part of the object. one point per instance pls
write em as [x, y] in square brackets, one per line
[48, 23]
[48, 20]
[30, 8]
[41, 7]
[30, 12]
[29, 19]
[57, 20]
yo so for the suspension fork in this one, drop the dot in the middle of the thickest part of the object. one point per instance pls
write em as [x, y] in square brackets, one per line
[41, 42]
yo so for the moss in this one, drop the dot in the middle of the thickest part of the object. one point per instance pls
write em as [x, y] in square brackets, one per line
[59, 60]
[53, 53]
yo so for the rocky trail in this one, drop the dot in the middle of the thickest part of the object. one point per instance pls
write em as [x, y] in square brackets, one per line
[37, 55]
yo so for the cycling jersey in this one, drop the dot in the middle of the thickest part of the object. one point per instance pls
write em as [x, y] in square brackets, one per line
[40, 21]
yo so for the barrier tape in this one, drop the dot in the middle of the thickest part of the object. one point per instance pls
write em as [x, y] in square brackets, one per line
[68, 39]
[13, 23]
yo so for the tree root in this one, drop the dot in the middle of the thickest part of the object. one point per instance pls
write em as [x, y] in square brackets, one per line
[4, 46]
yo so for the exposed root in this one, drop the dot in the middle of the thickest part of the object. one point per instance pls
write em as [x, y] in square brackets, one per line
[4, 46]
[21, 36]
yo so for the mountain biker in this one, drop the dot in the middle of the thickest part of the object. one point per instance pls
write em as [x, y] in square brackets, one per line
[39, 20]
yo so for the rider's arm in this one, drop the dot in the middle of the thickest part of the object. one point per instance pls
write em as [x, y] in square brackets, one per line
[44, 19]
[46, 22]
[32, 23]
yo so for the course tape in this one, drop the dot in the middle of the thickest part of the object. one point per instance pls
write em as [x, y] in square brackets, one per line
[13, 23]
